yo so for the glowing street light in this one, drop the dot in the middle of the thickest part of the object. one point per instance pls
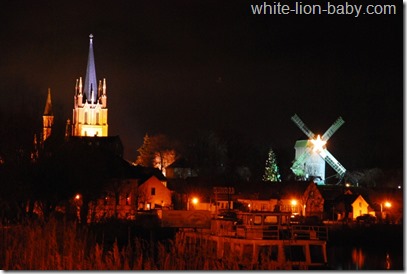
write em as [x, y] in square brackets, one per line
[77, 196]
[294, 206]
[386, 205]
[195, 201]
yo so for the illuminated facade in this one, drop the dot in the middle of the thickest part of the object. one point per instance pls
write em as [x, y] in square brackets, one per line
[47, 118]
[90, 103]
[313, 166]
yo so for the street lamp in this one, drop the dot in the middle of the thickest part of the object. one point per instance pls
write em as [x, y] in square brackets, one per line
[194, 201]
[294, 205]
[386, 205]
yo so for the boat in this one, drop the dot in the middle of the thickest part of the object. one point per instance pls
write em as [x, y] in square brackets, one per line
[260, 240]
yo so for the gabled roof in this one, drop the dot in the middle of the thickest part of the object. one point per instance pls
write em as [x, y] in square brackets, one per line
[279, 190]
[180, 163]
[348, 199]
[144, 173]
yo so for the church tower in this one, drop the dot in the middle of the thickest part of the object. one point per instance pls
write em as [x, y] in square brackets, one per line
[47, 118]
[90, 102]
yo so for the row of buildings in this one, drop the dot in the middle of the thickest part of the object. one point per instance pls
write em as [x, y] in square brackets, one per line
[128, 190]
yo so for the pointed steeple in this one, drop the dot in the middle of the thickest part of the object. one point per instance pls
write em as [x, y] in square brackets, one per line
[47, 118]
[48, 105]
[90, 79]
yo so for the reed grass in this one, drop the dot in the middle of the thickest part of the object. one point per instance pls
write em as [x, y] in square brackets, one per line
[61, 245]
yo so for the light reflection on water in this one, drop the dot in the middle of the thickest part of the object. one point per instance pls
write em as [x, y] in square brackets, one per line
[362, 258]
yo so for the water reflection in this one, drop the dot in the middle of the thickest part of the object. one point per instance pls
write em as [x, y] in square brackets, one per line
[388, 262]
[358, 257]
[364, 258]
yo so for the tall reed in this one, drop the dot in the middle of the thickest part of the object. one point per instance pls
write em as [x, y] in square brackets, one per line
[61, 245]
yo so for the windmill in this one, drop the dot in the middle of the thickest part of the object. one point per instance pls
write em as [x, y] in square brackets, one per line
[314, 151]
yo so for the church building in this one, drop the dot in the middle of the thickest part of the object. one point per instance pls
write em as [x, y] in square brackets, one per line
[90, 102]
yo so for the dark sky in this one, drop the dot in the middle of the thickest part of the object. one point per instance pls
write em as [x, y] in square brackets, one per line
[176, 66]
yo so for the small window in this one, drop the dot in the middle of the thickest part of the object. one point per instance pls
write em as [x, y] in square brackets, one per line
[152, 191]
[257, 219]
[247, 256]
[317, 254]
[295, 253]
[268, 253]
[270, 219]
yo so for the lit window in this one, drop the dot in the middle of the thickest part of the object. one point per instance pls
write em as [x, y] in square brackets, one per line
[257, 219]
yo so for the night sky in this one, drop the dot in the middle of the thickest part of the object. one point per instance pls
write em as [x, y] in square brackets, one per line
[173, 67]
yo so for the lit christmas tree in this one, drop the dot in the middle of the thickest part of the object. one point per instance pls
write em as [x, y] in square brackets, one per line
[271, 173]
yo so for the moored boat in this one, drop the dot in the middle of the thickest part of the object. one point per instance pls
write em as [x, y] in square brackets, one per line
[259, 240]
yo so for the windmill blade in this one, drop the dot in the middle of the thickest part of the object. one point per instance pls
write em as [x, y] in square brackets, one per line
[335, 126]
[330, 159]
[302, 126]
[298, 165]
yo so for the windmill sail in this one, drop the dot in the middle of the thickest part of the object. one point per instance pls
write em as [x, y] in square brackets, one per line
[335, 126]
[330, 159]
[298, 165]
[302, 126]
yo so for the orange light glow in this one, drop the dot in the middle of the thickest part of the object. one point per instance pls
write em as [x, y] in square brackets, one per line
[195, 200]
[387, 204]
[77, 196]
[294, 202]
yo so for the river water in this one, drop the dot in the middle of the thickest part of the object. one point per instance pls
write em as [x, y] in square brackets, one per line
[365, 258]
[366, 248]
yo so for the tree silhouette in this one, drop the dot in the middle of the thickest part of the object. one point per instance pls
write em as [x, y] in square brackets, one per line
[157, 151]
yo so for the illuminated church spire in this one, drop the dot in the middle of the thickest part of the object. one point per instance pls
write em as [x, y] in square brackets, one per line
[90, 78]
[90, 103]
[47, 117]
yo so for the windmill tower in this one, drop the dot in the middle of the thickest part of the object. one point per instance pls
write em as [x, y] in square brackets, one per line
[90, 103]
[311, 154]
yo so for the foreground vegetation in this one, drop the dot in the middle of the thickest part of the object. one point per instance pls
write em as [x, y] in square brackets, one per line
[61, 245]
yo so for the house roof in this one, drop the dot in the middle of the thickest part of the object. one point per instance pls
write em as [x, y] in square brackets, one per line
[144, 173]
[277, 190]
[348, 199]
[180, 163]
